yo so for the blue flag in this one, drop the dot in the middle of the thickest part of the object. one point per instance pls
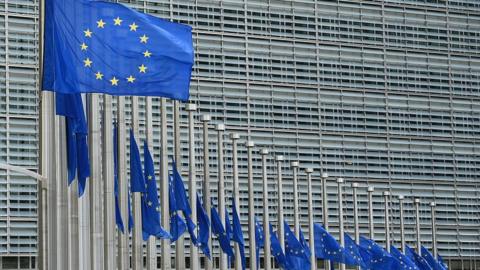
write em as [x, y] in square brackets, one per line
[137, 182]
[442, 262]
[404, 263]
[238, 235]
[326, 247]
[259, 240]
[276, 250]
[78, 164]
[294, 251]
[150, 205]
[220, 233]
[434, 264]
[374, 256]
[354, 251]
[305, 245]
[417, 259]
[177, 224]
[228, 225]
[118, 215]
[203, 228]
[103, 47]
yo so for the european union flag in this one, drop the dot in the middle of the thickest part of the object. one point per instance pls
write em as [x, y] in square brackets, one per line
[102, 47]
[238, 235]
[78, 164]
[404, 263]
[295, 252]
[417, 259]
[305, 245]
[177, 224]
[353, 250]
[277, 251]
[442, 262]
[228, 225]
[374, 256]
[118, 215]
[203, 228]
[326, 247]
[431, 260]
[150, 205]
[220, 233]
[137, 182]
[259, 239]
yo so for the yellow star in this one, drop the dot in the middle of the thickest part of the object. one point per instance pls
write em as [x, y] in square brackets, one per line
[147, 54]
[99, 75]
[114, 81]
[131, 79]
[149, 177]
[87, 62]
[117, 21]
[88, 33]
[143, 68]
[83, 46]
[133, 27]
[143, 39]
[101, 24]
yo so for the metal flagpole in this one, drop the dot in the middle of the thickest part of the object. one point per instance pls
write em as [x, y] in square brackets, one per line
[402, 223]
[123, 257]
[234, 137]
[251, 208]
[340, 216]
[311, 237]
[386, 194]
[281, 228]
[62, 220]
[434, 230]
[355, 213]
[164, 185]
[192, 187]
[325, 210]
[137, 244]
[371, 227]
[95, 185]
[417, 225]
[206, 184]
[296, 208]
[179, 244]
[221, 186]
[108, 195]
[266, 213]
[152, 241]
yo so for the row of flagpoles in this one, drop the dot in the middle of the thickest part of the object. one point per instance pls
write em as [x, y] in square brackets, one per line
[93, 244]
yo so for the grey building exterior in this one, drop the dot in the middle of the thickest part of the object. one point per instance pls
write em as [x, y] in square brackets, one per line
[384, 93]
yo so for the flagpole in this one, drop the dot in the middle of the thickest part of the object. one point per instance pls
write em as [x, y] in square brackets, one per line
[355, 213]
[281, 229]
[434, 230]
[137, 245]
[62, 220]
[220, 128]
[152, 241]
[340, 216]
[234, 137]
[311, 236]
[325, 210]
[251, 207]
[371, 227]
[123, 257]
[417, 225]
[94, 183]
[206, 184]
[386, 194]
[192, 187]
[266, 218]
[402, 223]
[108, 195]
[296, 208]
[179, 244]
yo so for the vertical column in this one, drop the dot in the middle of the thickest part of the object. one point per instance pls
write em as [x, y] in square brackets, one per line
[221, 186]
[325, 210]
[236, 192]
[266, 213]
[166, 255]
[152, 241]
[311, 236]
[62, 220]
[251, 207]
[137, 244]
[179, 244]
[371, 227]
[402, 223]
[281, 229]
[434, 230]
[192, 187]
[386, 194]
[206, 183]
[123, 258]
[417, 225]
[340, 215]
[355, 213]
[108, 196]
[296, 208]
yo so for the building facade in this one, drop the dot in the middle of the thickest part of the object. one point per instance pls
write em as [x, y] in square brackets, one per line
[383, 93]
